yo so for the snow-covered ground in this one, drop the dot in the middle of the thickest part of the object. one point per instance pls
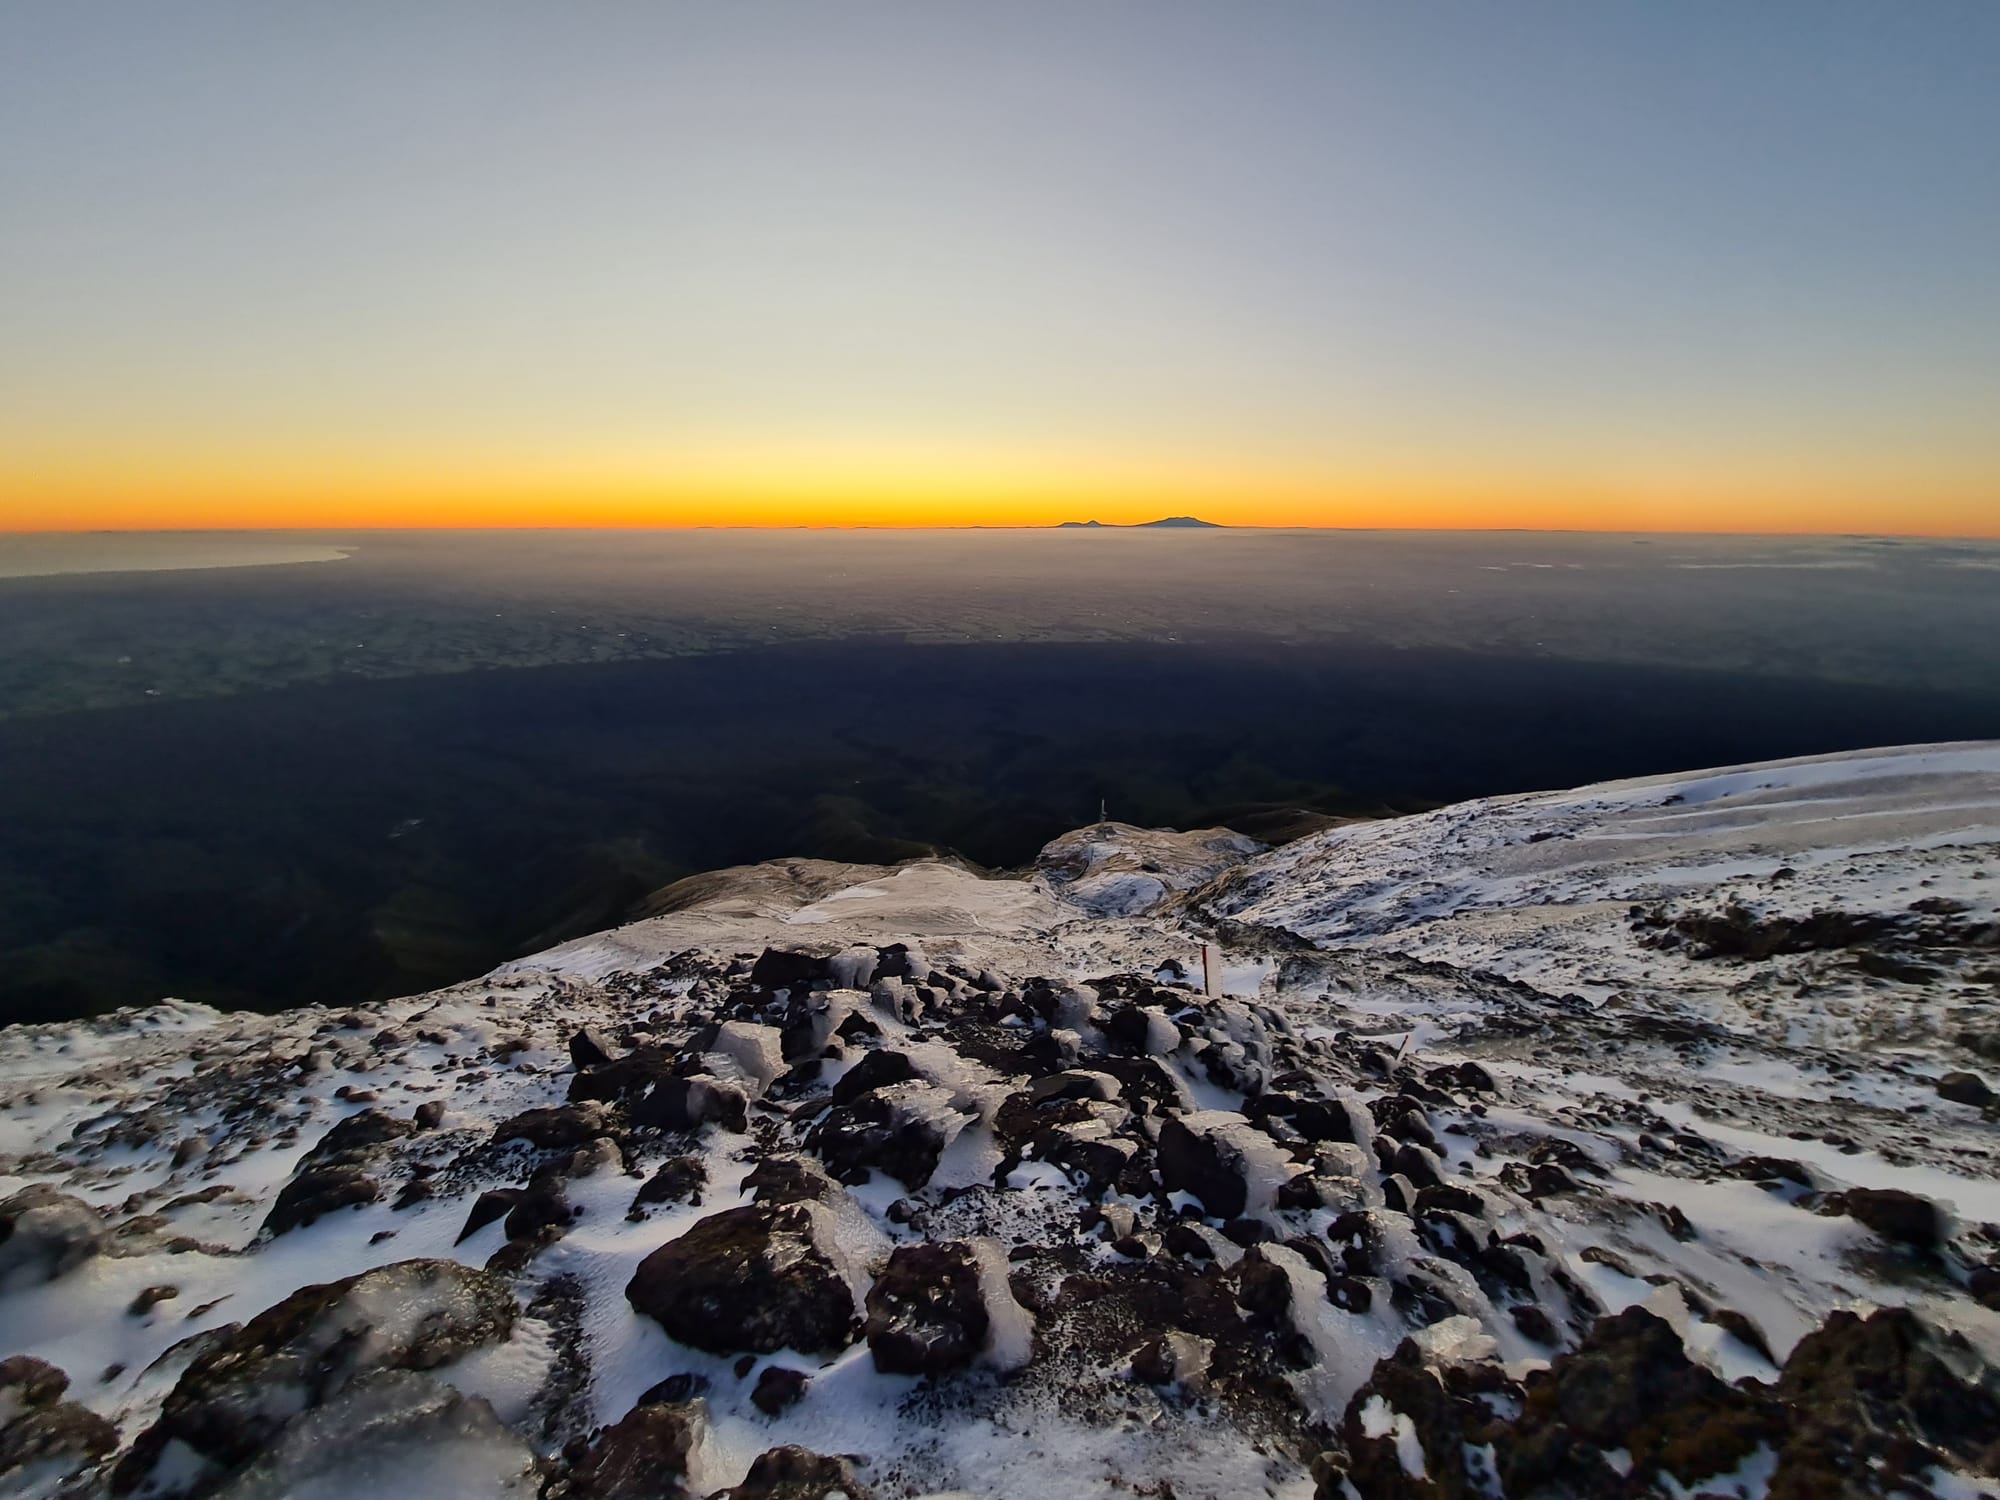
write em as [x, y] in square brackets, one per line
[847, 1179]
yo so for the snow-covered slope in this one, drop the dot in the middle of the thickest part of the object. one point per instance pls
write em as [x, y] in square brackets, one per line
[1540, 1145]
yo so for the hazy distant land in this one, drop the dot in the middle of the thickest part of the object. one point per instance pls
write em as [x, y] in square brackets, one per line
[46, 554]
[1896, 613]
[258, 785]
[1183, 523]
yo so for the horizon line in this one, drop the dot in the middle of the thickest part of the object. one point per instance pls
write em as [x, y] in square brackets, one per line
[634, 526]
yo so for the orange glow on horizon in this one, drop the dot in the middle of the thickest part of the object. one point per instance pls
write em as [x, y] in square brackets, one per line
[905, 503]
[332, 487]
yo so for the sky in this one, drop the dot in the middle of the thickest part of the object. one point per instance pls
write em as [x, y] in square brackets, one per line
[1699, 266]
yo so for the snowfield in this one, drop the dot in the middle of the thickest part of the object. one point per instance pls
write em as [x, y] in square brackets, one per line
[1631, 1140]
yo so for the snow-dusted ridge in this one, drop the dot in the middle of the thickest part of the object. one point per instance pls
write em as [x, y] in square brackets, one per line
[1540, 1145]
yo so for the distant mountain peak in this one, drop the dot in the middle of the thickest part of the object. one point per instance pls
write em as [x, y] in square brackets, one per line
[1143, 525]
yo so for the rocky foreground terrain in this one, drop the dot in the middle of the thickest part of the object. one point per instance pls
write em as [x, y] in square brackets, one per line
[1636, 1140]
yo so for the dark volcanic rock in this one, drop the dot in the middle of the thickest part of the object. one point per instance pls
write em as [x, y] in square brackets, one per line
[1315, 1119]
[754, 1278]
[1965, 1088]
[778, 1388]
[1204, 1164]
[541, 1213]
[317, 1191]
[622, 1079]
[590, 1048]
[360, 1133]
[564, 1127]
[374, 1428]
[1862, 1384]
[1093, 1162]
[690, 1103]
[926, 1314]
[874, 1071]
[644, 1455]
[1895, 1215]
[789, 1179]
[1466, 1075]
[66, 1436]
[489, 1206]
[1072, 1084]
[1447, 1420]
[793, 1473]
[45, 1234]
[1630, 1386]
[235, 1395]
[880, 1134]
[27, 1382]
[678, 1180]
[776, 968]
[1263, 1289]
[1864, 1407]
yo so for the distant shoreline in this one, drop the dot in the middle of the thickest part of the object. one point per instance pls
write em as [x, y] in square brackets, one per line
[62, 553]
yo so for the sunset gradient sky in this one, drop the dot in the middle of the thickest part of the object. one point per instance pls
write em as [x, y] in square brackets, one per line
[1704, 266]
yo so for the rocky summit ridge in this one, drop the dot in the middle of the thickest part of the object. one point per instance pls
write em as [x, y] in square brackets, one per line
[1637, 1140]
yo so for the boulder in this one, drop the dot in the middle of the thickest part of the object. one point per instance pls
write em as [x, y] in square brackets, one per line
[1073, 1083]
[793, 1473]
[1872, 1379]
[1093, 1157]
[1223, 1160]
[541, 1213]
[1628, 1386]
[644, 1455]
[1906, 1218]
[679, 1180]
[590, 1048]
[1141, 1031]
[1314, 1119]
[45, 1234]
[392, 1423]
[1175, 1358]
[881, 1131]
[758, 1278]
[756, 1050]
[926, 1311]
[27, 1382]
[1469, 1076]
[296, 1356]
[790, 1179]
[491, 1205]
[690, 1103]
[358, 1135]
[875, 1070]
[562, 1128]
[314, 1192]
[778, 1388]
[1966, 1088]
[621, 1079]
[779, 968]
[63, 1437]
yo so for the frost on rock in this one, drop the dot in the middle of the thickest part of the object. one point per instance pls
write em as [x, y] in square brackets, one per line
[760, 1278]
[45, 1234]
[291, 1358]
[392, 1432]
[1632, 1141]
[1223, 1160]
